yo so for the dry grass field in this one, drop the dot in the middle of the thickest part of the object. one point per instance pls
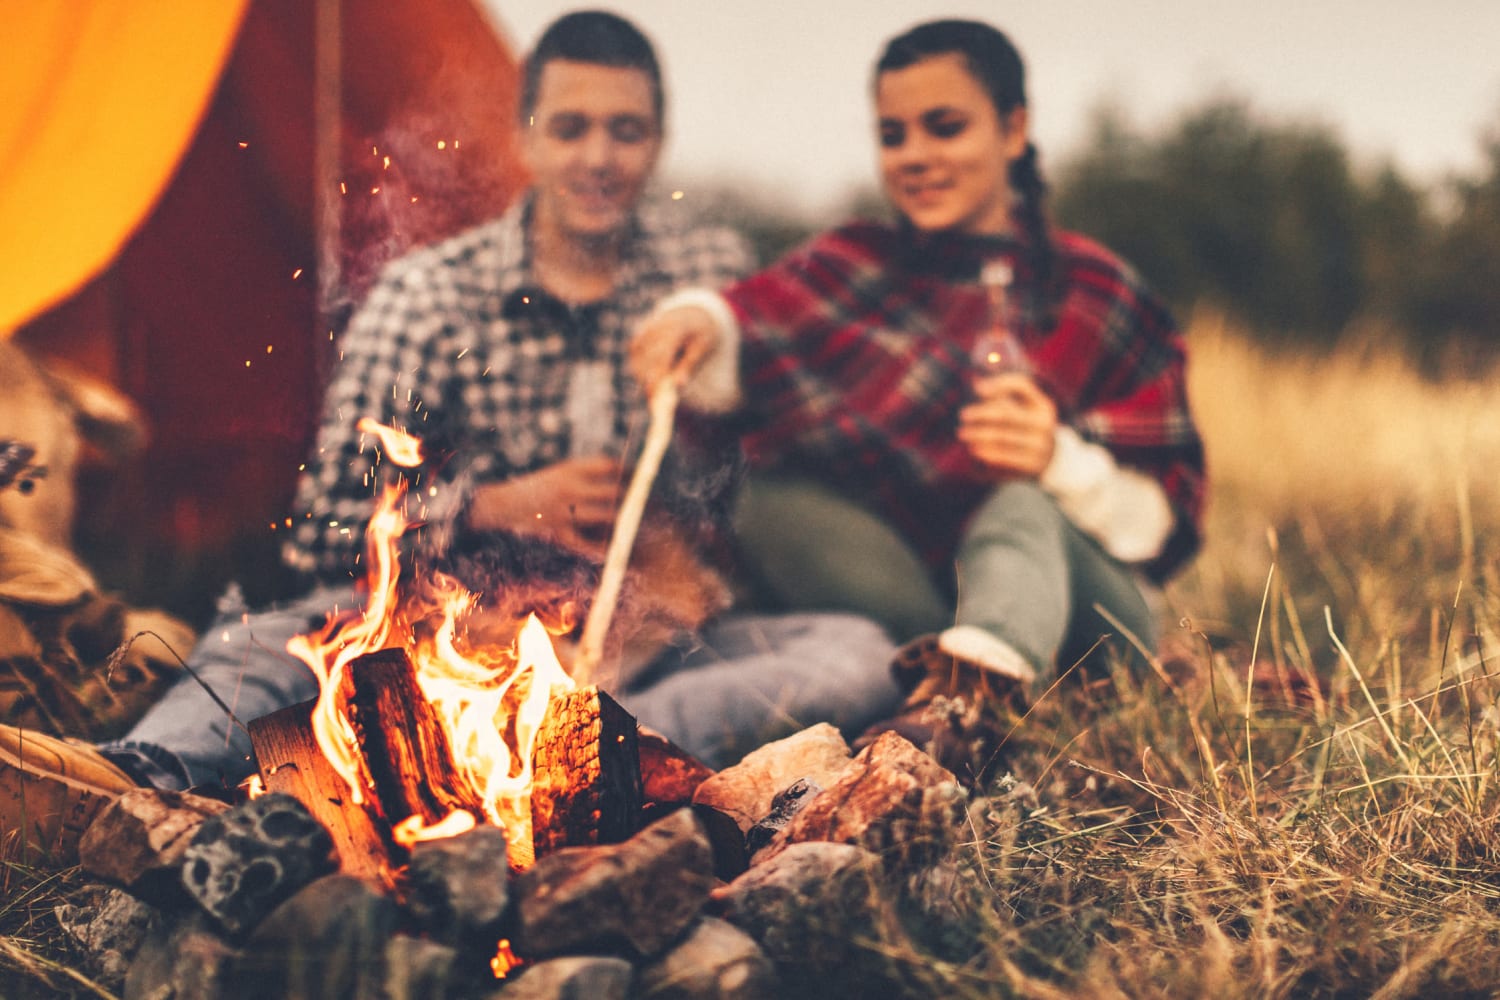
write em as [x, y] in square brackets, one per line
[1302, 797]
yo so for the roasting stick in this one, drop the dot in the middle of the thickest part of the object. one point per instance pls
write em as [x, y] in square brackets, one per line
[663, 408]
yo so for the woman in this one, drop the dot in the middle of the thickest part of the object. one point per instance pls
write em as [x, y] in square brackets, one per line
[1062, 487]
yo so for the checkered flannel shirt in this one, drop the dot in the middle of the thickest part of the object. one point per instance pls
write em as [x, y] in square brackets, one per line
[458, 345]
[856, 362]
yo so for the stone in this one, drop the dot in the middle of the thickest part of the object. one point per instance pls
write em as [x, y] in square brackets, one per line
[733, 801]
[745, 791]
[820, 913]
[580, 977]
[417, 969]
[110, 925]
[892, 799]
[716, 961]
[788, 802]
[458, 888]
[633, 898]
[185, 962]
[327, 940]
[243, 862]
[139, 839]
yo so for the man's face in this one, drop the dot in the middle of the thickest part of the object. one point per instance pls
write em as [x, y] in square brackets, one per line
[590, 144]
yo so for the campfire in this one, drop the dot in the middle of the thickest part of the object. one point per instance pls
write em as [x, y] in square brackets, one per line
[432, 727]
[452, 810]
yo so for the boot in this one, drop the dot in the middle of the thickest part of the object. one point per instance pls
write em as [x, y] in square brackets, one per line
[968, 688]
[50, 790]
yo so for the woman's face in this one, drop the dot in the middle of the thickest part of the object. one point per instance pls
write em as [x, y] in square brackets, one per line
[945, 153]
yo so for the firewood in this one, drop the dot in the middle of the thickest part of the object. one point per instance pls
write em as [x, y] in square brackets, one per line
[291, 762]
[669, 774]
[404, 745]
[586, 775]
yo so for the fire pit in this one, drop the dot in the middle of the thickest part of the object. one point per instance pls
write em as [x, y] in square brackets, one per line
[452, 812]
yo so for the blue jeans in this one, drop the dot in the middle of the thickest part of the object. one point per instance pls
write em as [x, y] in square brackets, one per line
[745, 679]
[1023, 571]
[753, 678]
[187, 738]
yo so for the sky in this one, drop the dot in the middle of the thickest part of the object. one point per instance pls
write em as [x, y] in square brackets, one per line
[774, 94]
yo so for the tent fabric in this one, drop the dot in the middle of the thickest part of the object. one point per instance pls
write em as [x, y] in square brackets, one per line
[218, 314]
[102, 98]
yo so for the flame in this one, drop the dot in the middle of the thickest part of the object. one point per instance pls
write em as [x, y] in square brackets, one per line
[412, 831]
[401, 447]
[490, 701]
[504, 959]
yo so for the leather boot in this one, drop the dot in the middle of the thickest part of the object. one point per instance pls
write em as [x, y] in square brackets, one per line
[50, 790]
[968, 689]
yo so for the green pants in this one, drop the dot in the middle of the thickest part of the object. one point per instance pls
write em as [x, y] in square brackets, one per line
[1022, 572]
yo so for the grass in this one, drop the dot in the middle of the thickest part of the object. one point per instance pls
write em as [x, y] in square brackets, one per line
[1302, 798]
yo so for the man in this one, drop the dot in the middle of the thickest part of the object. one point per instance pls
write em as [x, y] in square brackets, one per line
[504, 348]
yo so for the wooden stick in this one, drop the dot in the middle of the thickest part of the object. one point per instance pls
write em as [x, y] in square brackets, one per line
[663, 407]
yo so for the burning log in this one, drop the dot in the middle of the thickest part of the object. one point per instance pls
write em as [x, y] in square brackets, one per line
[404, 745]
[586, 773]
[292, 762]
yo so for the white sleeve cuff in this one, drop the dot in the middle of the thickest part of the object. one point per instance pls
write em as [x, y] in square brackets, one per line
[1124, 510]
[715, 386]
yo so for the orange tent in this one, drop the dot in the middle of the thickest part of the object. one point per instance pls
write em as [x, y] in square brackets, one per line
[201, 193]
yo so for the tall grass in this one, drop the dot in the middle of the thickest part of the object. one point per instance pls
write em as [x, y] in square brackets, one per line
[1301, 798]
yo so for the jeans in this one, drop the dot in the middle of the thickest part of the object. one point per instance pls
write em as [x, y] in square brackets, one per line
[743, 680]
[1024, 573]
[187, 738]
[753, 678]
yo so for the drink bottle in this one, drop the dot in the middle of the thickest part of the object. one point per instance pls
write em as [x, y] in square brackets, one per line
[998, 349]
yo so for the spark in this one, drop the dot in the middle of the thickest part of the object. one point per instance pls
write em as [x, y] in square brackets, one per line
[297, 274]
[386, 164]
[375, 190]
[442, 144]
[678, 195]
[244, 145]
[343, 188]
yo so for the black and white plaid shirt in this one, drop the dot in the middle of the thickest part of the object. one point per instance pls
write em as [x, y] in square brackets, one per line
[458, 345]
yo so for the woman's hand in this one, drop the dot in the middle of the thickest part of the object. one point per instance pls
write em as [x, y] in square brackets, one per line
[672, 344]
[571, 502]
[1011, 427]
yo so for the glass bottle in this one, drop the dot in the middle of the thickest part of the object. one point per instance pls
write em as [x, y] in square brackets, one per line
[998, 348]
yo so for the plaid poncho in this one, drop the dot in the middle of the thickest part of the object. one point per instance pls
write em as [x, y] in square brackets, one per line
[855, 365]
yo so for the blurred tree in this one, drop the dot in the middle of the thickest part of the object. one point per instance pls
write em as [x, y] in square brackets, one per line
[766, 221]
[1459, 296]
[1262, 219]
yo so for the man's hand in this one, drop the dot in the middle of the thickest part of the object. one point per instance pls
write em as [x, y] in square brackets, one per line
[1011, 426]
[571, 502]
[672, 345]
